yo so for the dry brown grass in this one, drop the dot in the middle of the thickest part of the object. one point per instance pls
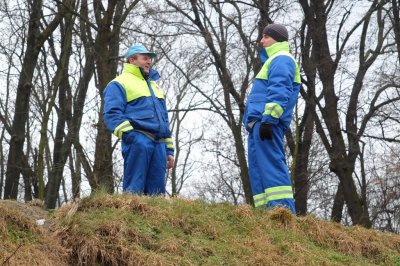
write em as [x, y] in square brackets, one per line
[23, 242]
[111, 241]
[92, 250]
[134, 203]
[281, 216]
[133, 230]
[256, 248]
[353, 241]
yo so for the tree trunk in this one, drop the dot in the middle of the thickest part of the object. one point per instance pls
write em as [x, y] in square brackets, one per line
[301, 175]
[103, 167]
[62, 144]
[106, 70]
[359, 215]
[106, 49]
[106, 66]
[338, 204]
[342, 157]
[59, 157]
[396, 24]
[244, 171]
[75, 166]
[18, 135]
[300, 149]
[2, 170]
[34, 43]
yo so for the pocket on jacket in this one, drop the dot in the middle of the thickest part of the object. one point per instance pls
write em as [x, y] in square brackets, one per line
[254, 111]
[143, 114]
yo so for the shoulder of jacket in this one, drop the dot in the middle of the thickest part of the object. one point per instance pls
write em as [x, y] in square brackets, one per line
[125, 78]
[282, 56]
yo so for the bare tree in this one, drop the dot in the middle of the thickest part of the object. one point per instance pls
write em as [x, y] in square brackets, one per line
[35, 41]
[101, 57]
[342, 140]
[106, 51]
[4, 110]
[62, 85]
[56, 85]
[385, 194]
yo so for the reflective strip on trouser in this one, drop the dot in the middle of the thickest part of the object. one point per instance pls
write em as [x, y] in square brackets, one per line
[145, 163]
[269, 175]
[273, 193]
[121, 128]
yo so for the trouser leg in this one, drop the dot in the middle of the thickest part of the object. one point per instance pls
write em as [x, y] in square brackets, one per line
[256, 183]
[137, 156]
[155, 181]
[270, 171]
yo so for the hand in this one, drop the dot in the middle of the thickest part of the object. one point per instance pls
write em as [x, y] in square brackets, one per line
[266, 131]
[170, 161]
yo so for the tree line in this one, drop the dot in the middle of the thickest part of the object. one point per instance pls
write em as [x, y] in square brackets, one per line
[343, 148]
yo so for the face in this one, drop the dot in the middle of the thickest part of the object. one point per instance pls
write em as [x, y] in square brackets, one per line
[141, 60]
[267, 41]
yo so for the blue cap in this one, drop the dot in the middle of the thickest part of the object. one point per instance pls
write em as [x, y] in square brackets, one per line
[138, 49]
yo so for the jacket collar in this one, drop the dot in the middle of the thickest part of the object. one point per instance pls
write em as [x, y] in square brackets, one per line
[135, 70]
[267, 52]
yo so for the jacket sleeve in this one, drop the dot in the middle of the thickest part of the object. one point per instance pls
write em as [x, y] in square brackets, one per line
[280, 87]
[168, 140]
[114, 109]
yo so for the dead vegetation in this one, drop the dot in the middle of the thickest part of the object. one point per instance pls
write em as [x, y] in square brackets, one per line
[133, 230]
[23, 242]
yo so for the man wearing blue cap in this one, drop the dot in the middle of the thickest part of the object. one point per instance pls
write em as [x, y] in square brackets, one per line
[135, 111]
[267, 116]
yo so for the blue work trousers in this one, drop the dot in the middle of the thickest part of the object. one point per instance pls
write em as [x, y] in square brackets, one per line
[145, 163]
[269, 175]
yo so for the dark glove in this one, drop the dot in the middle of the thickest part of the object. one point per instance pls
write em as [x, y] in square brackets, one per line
[266, 131]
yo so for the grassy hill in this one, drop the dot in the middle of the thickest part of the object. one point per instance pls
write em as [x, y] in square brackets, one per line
[133, 230]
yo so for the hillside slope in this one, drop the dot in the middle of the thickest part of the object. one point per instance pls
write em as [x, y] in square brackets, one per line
[133, 230]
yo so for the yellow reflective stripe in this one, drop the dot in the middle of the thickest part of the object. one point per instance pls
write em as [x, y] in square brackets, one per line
[277, 189]
[297, 78]
[170, 144]
[273, 193]
[273, 109]
[121, 128]
[280, 196]
[277, 193]
[259, 200]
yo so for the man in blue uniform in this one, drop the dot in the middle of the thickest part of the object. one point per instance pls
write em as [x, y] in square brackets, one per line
[135, 111]
[268, 114]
